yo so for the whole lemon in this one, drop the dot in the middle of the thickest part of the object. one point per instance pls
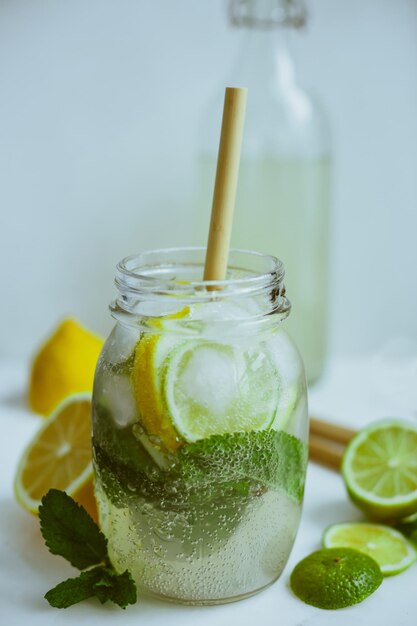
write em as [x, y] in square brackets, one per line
[65, 364]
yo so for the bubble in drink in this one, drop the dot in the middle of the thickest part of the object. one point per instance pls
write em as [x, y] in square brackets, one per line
[199, 439]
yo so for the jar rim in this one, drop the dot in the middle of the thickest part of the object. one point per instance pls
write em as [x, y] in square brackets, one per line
[155, 282]
[147, 271]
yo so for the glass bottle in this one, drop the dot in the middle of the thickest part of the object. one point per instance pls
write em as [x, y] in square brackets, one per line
[199, 427]
[283, 195]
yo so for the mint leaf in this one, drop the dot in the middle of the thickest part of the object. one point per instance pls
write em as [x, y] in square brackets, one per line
[74, 590]
[228, 465]
[101, 582]
[269, 457]
[120, 588]
[70, 532]
[120, 443]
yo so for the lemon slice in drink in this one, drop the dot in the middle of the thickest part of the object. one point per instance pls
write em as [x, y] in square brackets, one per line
[387, 546]
[213, 388]
[150, 354]
[59, 456]
[380, 469]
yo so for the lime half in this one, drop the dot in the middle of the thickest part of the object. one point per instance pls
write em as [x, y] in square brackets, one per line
[215, 388]
[380, 469]
[334, 578]
[388, 547]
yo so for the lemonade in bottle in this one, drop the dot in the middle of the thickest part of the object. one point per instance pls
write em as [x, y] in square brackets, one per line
[283, 201]
[200, 427]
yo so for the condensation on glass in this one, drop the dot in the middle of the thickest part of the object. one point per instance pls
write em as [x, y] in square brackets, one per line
[200, 427]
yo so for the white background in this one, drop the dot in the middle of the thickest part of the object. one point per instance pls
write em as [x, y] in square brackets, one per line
[99, 109]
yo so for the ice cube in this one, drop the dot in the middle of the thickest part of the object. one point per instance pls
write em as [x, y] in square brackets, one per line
[224, 310]
[117, 397]
[121, 343]
[211, 379]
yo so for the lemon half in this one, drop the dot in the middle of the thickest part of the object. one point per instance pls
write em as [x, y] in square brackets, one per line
[65, 364]
[59, 456]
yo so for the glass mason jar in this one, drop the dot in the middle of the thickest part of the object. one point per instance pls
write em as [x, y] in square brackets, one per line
[283, 195]
[200, 427]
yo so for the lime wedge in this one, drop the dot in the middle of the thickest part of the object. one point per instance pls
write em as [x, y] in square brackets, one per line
[334, 578]
[214, 388]
[387, 546]
[380, 469]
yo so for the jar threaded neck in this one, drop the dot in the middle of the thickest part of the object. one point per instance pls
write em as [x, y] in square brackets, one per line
[172, 278]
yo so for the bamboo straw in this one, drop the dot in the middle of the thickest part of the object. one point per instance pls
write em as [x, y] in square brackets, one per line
[326, 440]
[224, 195]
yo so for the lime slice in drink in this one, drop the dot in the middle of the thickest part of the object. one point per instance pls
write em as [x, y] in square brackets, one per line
[291, 380]
[334, 578]
[214, 388]
[287, 402]
[380, 469]
[387, 546]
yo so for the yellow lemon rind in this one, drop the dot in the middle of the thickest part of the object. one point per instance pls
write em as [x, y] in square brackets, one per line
[64, 364]
[76, 485]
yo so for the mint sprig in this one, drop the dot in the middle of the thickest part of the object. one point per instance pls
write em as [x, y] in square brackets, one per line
[69, 531]
[101, 582]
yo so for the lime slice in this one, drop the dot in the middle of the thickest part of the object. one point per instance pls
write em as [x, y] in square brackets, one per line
[214, 388]
[288, 399]
[334, 578]
[291, 380]
[380, 469]
[387, 546]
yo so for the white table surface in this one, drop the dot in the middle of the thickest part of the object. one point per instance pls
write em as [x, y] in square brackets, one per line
[353, 392]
